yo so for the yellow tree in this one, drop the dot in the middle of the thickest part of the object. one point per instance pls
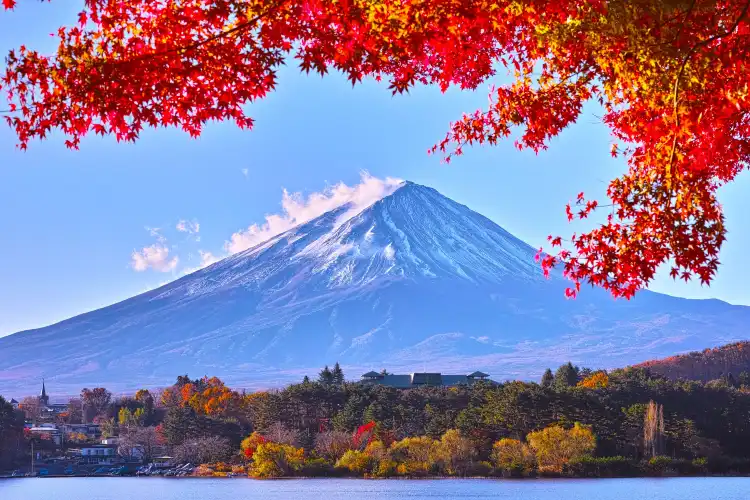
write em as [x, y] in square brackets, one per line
[512, 455]
[556, 446]
[598, 380]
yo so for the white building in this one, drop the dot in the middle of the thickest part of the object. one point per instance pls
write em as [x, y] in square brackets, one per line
[99, 454]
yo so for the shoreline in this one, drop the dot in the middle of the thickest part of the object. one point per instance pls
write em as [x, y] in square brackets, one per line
[400, 478]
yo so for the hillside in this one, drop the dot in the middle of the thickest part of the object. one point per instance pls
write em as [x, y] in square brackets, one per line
[413, 281]
[708, 364]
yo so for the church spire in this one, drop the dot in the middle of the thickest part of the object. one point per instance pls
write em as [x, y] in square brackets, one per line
[43, 398]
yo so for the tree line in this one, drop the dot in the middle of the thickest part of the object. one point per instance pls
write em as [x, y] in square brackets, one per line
[574, 421]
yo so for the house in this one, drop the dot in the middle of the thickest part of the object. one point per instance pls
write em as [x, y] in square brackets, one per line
[414, 380]
[51, 430]
[96, 454]
[91, 431]
[14, 404]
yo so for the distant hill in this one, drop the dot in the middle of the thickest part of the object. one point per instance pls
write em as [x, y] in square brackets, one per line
[705, 365]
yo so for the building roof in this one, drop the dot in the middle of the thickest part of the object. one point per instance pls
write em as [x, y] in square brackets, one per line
[13, 402]
[44, 390]
[420, 379]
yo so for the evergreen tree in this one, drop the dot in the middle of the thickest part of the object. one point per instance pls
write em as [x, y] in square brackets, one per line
[547, 378]
[338, 374]
[326, 376]
[566, 376]
[744, 378]
[306, 380]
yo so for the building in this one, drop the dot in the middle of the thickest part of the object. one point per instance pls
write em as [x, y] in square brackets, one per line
[414, 380]
[96, 454]
[51, 430]
[91, 431]
[14, 404]
[47, 410]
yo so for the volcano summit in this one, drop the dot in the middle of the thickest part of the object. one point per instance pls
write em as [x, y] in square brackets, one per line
[414, 280]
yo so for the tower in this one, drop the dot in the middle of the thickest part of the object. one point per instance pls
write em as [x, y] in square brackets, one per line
[43, 398]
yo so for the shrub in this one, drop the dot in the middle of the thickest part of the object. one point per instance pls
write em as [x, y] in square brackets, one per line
[556, 446]
[277, 460]
[415, 454]
[512, 457]
[355, 462]
[454, 453]
[601, 467]
[385, 468]
[316, 467]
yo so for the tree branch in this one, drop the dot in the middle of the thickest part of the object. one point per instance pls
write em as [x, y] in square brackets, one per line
[685, 60]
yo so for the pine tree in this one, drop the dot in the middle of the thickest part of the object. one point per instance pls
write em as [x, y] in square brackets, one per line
[547, 378]
[338, 374]
[326, 376]
[566, 376]
[306, 380]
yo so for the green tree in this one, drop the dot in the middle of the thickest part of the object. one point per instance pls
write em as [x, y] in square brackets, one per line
[11, 433]
[337, 375]
[326, 376]
[566, 376]
[547, 378]
[179, 424]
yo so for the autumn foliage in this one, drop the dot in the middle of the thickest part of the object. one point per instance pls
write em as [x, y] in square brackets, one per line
[597, 380]
[669, 76]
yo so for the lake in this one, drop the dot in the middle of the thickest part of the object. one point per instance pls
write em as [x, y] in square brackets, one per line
[357, 489]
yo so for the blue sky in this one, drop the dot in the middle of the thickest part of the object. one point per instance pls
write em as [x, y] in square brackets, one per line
[70, 221]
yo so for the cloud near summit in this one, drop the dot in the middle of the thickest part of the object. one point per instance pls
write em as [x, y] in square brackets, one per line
[296, 209]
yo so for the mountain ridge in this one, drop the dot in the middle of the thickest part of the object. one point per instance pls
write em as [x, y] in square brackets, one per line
[414, 278]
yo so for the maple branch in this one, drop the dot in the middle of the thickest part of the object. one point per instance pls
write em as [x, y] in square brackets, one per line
[685, 60]
[240, 27]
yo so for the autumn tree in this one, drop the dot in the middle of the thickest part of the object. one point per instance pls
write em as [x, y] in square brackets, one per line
[555, 446]
[31, 408]
[277, 460]
[597, 380]
[333, 444]
[669, 78]
[454, 452]
[75, 411]
[653, 429]
[95, 402]
[513, 456]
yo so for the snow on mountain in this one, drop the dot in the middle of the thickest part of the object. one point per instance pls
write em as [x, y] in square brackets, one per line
[409, 281]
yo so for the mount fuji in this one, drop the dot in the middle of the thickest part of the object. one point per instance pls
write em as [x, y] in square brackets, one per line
[414, 281]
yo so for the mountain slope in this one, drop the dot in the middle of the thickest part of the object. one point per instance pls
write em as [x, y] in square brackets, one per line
[413, 281]
[705, 365]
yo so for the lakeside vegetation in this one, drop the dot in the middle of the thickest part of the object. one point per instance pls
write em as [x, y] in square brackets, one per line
[573, 423]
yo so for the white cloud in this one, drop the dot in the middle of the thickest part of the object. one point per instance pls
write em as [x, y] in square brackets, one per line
[155, 257]
[207, 258]
[156, 233]
[296, 209]
[245, 172]
[190, 227]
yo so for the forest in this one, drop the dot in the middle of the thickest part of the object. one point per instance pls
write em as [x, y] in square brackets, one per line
[574, 422]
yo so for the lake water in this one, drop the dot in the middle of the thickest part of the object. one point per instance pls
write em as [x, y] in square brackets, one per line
[352, 489]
